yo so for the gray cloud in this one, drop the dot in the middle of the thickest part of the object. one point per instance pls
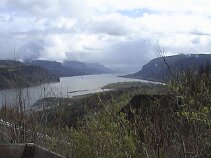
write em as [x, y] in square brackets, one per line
[31, 49]
[7, 47]
[107, 31]
[109, 25]
[130, 55]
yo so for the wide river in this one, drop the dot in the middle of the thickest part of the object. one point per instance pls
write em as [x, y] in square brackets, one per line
[67, 87]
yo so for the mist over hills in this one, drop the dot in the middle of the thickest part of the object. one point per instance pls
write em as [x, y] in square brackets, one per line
[71, 68]
[56, 68]
[87, 68]
[157, 69]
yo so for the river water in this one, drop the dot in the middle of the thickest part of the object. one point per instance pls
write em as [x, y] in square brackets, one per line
[67, 87]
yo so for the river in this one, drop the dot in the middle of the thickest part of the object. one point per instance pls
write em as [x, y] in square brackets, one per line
[67, 87]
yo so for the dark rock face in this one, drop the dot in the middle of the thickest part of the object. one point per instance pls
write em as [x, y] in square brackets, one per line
[151, 112]
[142, 104]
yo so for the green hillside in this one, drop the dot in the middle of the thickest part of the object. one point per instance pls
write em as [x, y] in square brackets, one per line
[15, 75]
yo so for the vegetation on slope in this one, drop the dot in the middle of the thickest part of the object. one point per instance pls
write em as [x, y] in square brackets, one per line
[175, 126]
[170, 123]
[15, 74]
[158, 70]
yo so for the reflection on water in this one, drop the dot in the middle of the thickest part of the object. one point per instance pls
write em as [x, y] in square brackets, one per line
[67, 87]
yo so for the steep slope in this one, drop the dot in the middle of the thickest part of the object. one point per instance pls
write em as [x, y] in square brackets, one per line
[57, 68]
[157, 69]
[15, 74]
[98, 68]
[87, 68]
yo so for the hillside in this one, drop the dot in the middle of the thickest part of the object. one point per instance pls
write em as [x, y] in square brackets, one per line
[87, 68]
[14, 74]
[157, 70]
[56, 68]
[70, 68]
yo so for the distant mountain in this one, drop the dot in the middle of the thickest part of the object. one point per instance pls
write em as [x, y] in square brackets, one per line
[88, 68]
[57, 68]
[15, 74]
[157, 69]
[70, 68]
[99, 68]
[74, 64]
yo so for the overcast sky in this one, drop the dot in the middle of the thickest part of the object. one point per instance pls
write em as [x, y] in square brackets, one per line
[117, 33]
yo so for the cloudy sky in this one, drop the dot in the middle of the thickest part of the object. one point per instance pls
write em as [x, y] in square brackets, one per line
[118, 33]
